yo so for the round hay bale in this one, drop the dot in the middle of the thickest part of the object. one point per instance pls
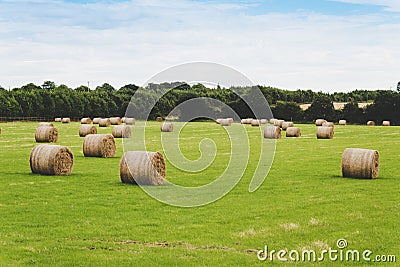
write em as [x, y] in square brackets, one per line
[48, 124]
[122, 131]
[130, 121]
[230, 120]
[46, 134]
[218, 120]
[360, 163]
[319, 122]
[278, 123]
[142, 167]
[104, 122]
[225, 122]
[65, 120]
[287, 124]
[123, 119]
[293, 132]
[99, 145]
[272, 121]
[86, 121]
[328, 124]
[51, 160]
[342, 122]
[263, 121]
[57, 119]
[243, 121]
[386, 123]
[325, 132]
[272, 132]
[115, 120]
[159, 119]
[255, 122]
[87, 129]
[96, 120]
[370, 123]
[167, 127]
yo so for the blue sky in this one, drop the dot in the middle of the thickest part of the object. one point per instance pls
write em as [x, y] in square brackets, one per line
[312, 44]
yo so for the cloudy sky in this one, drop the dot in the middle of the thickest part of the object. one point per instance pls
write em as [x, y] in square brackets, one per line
[323, 45]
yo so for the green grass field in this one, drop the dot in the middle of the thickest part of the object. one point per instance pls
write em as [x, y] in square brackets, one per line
[91, 219]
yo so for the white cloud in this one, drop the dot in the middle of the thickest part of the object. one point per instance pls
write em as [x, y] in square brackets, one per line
[131, 41]
[388, 5]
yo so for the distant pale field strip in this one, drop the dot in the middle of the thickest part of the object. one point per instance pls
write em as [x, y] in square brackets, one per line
[336, 105]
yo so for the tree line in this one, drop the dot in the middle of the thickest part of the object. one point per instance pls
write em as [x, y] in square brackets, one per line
[50, 100]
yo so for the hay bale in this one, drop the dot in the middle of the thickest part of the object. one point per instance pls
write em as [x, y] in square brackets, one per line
[65, 120]
[386, 123]
[87, 129]
[51, 160]
[278, 123]
[287, 124]
[130, 121]
[342, 122]
[115, 120]
[370, 123]
[142, 167]
[48, 124]
[99, 145]
[230, 120]
[319, 122]
[360, 163]
[57, 119]
[46, 134]
[104, 122]
[96, 120]
[293, 132]
[272, 132]
[86, 121]
[328, 124]
[263, 121]
[225, 122]
[122, 131]
[123, 119]
[218, 120]
[325, 132]
[255, 122]
[159, 119]
[167, 127]
[272, 121]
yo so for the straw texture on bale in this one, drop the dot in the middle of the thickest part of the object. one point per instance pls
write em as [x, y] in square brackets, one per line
[130, 121]
[159, 119]
[328, 124]
[293, 132]
[263, 121]
[65, 120]
[96, 120]
[122, 131]
[142, 167]
[167, 127]
[57, 119]
[246, 121]
[272, 121]
[371, 123]
[225, 122]
[386, 123]
[230, 120]
[51, 160]
[46, 134]
[319, 122]
[255, 122]
[342, 122]
[218, 120]
[272, 132]
[360, 163]
[87, 129]
[278, 123]
[99, 145]
[48, 124]
[115, 120]
[104, 122]
[287, 124]
[123, 119]
[86, 121]
[325, 132]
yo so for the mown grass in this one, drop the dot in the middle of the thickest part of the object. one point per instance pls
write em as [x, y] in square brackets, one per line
[91, 219]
